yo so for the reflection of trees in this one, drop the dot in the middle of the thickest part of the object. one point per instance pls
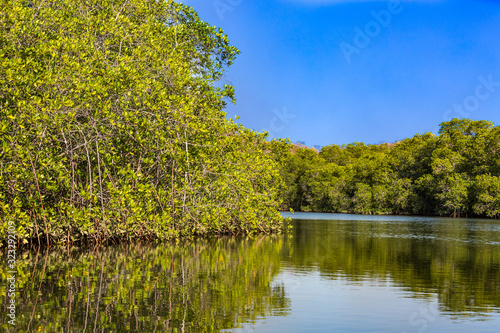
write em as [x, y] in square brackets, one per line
[202, 286]
[455, 261]
[210, 285]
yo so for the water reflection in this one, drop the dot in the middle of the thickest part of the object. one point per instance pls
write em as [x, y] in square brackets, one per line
[201, 286]
[352, 273]
[457, 260]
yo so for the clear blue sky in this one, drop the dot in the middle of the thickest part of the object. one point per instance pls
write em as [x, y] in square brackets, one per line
[336, 71]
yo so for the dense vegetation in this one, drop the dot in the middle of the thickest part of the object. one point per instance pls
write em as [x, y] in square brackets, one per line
[112, 125]
[456, 173]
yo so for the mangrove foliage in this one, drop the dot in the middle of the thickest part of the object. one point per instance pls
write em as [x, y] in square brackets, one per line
[112, 125]
[455, 173]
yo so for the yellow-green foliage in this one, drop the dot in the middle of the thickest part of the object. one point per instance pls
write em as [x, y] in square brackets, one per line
[455, 174]
[112, 125]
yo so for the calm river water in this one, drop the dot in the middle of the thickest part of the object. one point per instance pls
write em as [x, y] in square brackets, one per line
[332, 273]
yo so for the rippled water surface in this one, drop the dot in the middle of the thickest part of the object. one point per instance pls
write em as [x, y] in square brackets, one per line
[332, 273]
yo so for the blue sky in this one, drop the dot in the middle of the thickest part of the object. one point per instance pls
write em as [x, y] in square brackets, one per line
[337, 71]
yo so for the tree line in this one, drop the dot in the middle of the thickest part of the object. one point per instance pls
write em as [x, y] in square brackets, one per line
[455, 173]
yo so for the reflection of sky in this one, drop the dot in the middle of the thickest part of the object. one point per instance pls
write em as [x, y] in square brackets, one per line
[350, 217]
[479, 231]
[338, 305]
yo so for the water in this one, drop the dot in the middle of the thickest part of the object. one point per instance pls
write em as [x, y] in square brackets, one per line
[332, 273]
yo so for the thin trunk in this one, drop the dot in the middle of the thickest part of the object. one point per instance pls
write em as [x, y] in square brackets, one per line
[41, 201]
[100, 185]
[173, 203]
